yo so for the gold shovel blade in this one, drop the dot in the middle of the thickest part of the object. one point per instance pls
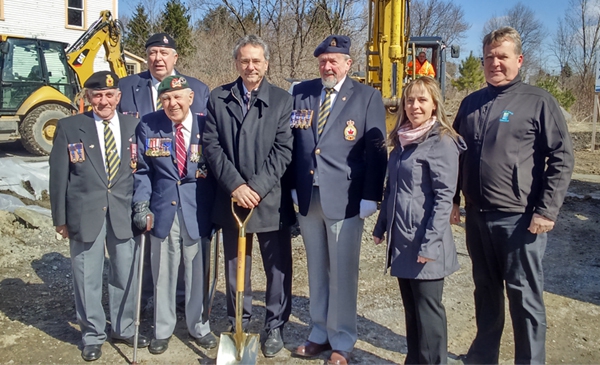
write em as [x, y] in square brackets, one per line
[244, 352]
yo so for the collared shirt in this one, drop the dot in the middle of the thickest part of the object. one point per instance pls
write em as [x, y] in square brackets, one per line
[155, 84]
[186, 130]
[115, 127]
[336, 90]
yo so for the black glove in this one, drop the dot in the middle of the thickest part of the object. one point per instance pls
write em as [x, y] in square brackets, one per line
[140, 211]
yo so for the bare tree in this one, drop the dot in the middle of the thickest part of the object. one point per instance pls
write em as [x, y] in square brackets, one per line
[438, 18]
[563, 44]
[583, 23]
[524, 20]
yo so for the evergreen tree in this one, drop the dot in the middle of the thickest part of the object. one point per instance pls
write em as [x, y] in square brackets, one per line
[565, 98]
[138, 31]
[176, 22]
[471, 76]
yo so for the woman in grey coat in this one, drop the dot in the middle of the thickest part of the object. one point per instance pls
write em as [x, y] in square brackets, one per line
[415, 213]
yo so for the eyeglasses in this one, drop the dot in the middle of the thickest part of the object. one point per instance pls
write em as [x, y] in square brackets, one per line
[245, 62]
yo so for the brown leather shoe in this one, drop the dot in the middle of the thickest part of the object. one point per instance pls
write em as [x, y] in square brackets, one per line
[311, 349]
[339, 357]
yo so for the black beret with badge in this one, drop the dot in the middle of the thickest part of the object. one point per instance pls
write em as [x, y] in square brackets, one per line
[175, 82]
[161, 40]
[102, 80]
[334, 44]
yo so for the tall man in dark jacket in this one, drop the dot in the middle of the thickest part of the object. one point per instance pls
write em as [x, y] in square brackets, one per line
[338, 165]
[91, 185]
[514, 177]
[248, 145]
[140, 91]
[173, 184]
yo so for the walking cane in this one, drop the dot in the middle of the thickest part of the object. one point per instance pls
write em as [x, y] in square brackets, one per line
[138, 302]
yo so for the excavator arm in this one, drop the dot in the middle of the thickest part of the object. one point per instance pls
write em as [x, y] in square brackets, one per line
[105, 32]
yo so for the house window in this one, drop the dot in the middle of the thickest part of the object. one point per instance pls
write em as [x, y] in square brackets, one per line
[130, 68]
[75, 13]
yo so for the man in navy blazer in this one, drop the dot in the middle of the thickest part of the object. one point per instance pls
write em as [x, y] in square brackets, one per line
[173, 183]
[93, 210]
[140, 97]
[338, 169]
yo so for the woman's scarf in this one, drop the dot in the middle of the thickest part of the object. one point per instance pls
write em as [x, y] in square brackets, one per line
[408, 134]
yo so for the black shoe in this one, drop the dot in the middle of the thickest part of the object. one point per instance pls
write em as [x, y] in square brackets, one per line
[273, 344]
[143, 341]
[157, 347]
[91, 352]
[208, 341]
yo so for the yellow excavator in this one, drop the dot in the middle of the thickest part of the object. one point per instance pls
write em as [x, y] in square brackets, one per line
[389, 48]
[41, 80]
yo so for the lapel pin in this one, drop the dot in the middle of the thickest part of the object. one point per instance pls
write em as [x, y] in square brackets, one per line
[343, 98]
[91, 146]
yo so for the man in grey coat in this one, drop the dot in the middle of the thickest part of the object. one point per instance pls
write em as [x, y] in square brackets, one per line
[248, 144]
[91, 187]
[514, 177]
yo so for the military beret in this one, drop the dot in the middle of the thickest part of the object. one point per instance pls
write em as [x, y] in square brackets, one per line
[102, 80]
[173, 83]
[334, 44]
[161, 40]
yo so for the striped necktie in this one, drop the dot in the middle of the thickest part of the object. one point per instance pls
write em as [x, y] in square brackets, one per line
[181, 151]
[158, 103]
[324, 111]
[110, 152]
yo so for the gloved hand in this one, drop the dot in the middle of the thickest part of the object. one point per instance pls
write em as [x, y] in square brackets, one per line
[367, 208]
[140, 211]
[295, 196]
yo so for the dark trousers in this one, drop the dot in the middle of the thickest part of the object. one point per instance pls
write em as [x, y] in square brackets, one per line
[426, 328]
[504, 252]
[276, 252]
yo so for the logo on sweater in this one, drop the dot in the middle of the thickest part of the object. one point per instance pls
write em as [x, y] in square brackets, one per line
[505, 115]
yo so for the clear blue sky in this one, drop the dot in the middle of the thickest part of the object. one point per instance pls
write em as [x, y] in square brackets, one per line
[477, 12]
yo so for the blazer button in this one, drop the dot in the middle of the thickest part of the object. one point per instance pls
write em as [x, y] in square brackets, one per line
[104, 209]
[109, 191]
[318, 151]
[173, 202]
[312, 172]
[179, 182]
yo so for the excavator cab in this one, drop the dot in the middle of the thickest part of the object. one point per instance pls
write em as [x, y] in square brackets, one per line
[435, 51]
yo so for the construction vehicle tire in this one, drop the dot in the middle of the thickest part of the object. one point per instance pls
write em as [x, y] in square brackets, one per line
[38, 127]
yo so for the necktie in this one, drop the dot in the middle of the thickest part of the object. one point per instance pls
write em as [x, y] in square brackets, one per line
[158, 103]
[181, 151]
[110, 154]
[324, 111]
[247, 97]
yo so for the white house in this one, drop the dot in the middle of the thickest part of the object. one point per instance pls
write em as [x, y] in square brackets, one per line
[56, 20]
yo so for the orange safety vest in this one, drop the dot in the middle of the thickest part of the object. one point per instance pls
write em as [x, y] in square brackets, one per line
[425, 69]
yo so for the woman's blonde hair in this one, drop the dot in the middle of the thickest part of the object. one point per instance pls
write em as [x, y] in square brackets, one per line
[432, 87]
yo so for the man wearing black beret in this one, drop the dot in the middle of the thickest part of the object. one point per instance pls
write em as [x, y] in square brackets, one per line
[339, 165]
[140, 97]
[91, 187]
[140, 91]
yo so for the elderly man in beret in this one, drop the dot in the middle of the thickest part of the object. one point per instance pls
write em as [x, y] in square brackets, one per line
[91, 187]
[338, 169]
[140, 97]
[173, 183]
